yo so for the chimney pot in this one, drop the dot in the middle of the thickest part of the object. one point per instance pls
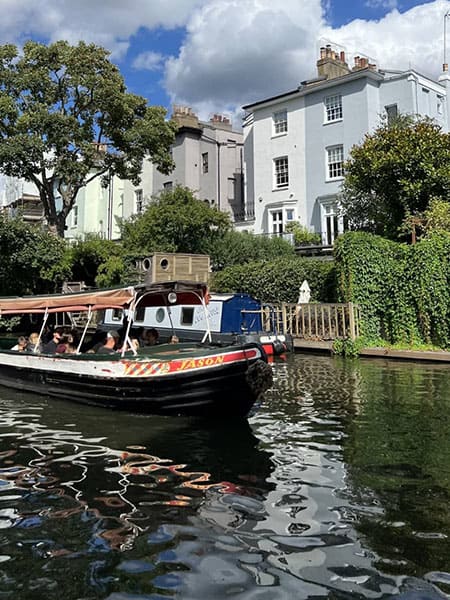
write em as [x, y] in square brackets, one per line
[322, 52]
[342, 56]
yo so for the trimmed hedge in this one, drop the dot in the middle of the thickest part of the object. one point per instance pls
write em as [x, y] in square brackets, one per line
[278, 280]
[403, 291]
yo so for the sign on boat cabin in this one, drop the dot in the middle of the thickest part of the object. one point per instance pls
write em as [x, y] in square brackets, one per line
[226, 316]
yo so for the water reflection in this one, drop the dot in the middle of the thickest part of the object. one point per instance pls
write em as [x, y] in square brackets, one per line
[337, 489]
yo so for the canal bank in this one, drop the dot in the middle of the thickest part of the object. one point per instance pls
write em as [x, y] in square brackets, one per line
[326, 347]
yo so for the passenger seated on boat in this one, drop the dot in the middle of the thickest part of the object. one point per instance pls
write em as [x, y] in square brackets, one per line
[111, 342]
[150, 337]
[68, 344]
[21, 345]
[50, 347]
[97, 341]
[174, 339]
[34, 344]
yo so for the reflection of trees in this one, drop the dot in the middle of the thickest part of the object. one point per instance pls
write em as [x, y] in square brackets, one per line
[387, 425]
[398, 460]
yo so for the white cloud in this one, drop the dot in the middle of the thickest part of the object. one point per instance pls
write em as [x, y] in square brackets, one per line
[241, 50]
[413, 39]
[236, 51]
[110, 23]
[148, 61]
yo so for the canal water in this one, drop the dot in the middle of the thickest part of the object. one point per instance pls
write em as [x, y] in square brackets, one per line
[338, 487]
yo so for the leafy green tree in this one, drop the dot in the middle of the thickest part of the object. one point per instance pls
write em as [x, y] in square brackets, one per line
[394, 173]
[236, 248]
[175, 222]
[32, 260]
[66, 118]
[94, 258]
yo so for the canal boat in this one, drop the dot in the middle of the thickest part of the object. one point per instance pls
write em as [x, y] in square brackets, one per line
[228, 319]
[169, 379]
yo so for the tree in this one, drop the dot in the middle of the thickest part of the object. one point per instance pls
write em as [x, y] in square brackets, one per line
[175, 222]
[394, 173]
[32, 260]
[436, 218]
[238, 248]
[66, 118]
[97, 262]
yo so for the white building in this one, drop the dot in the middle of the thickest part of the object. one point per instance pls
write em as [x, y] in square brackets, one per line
[295, 143]
[208, 160]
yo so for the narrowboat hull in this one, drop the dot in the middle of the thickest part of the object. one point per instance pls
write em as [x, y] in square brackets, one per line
[182, 380]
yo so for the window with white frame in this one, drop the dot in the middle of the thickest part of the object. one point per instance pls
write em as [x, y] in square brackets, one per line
[281, 165]
[335, 162]
[289, 214]
[439, 105]
[276, 217]
[333, 108]
[168, 185]
[280, 124]
[139, 199]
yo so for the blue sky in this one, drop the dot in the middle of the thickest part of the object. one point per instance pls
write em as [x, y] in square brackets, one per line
[217, 55]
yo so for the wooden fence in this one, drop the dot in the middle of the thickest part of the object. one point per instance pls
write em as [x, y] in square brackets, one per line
[313, 321]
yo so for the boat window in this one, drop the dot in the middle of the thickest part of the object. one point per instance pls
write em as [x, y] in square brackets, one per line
[139, 313]
[164, 263]
[117, 314]
[160, 314]
[187, 315]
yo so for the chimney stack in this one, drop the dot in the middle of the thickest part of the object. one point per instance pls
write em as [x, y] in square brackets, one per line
[331, 63]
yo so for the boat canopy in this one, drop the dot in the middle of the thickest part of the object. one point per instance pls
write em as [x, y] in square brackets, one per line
[168, 293]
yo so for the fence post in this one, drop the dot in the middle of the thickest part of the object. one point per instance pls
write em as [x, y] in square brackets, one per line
[284, 316]
[351, 316]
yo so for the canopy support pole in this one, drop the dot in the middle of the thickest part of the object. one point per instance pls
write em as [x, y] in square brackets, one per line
[83, 335]
[44, 323]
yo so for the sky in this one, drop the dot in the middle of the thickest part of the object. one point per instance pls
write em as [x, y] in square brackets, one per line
[217, 55]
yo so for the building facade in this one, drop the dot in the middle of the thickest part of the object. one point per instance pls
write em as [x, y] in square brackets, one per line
[208, 159]
[295, 144]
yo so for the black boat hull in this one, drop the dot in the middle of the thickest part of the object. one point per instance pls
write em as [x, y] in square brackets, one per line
[226, 389]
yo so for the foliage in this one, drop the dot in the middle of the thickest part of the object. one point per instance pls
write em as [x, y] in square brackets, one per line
[175, 222]
[278, 280]
[66, 118]
[236, 248]
[302, 236]
[394, 173]
[436, 217]
[402, 291]
[349, 348]
[95, 261]
[32, 260]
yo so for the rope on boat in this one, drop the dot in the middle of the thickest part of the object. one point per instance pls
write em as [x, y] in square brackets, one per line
[259, 377]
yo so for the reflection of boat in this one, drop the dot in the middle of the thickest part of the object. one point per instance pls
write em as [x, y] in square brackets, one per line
[229, 319]
[124, 474]
[188, 378]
